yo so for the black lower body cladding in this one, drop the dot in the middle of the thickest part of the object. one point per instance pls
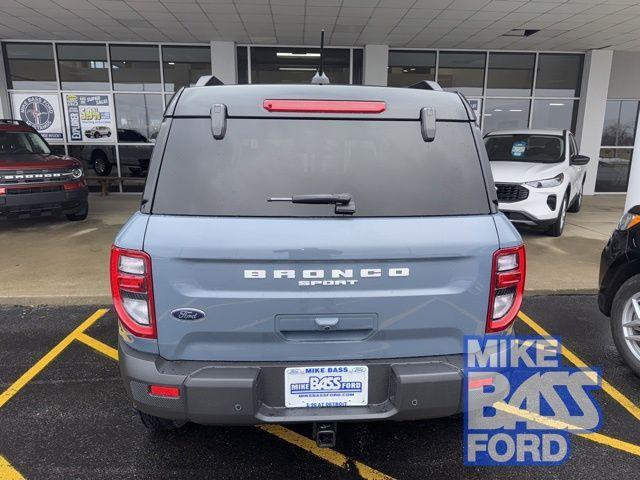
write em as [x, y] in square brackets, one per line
[58, 201]
[237, 393]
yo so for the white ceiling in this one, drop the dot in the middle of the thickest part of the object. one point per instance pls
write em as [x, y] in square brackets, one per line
[563, 24]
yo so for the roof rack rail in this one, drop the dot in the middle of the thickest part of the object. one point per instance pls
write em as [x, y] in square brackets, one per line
[208, 80]
[14, 121]
[427, 85]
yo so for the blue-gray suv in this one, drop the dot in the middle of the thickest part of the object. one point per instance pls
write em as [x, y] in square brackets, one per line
[311, 253]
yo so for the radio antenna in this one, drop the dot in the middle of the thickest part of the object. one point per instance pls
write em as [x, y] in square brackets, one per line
[320, 78]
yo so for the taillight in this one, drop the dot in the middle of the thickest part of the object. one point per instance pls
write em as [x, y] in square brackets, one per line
[324, 106]
[507, 287]
[3, 191]
[132, 291]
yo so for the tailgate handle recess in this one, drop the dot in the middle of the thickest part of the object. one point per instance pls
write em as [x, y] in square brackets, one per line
[428, 123]
[218, 120]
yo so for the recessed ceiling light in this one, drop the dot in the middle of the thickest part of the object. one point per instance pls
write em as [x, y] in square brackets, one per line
[520, 32]
[291, 54]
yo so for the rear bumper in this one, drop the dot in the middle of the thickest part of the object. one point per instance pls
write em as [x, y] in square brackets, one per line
[60, 201]
[234, 393]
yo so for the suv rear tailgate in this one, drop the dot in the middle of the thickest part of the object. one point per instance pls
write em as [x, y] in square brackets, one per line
[425, 286]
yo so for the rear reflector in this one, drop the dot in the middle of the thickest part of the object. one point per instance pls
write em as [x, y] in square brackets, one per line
[162, 391]
[324, 106]
[480, 382]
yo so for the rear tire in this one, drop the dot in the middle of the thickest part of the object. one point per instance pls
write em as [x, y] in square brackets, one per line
[577, 203]
[79, 216]
[157, 424]
[624, 313]
[557, 228]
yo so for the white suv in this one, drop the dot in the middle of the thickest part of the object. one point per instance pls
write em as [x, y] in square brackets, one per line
[539, 176]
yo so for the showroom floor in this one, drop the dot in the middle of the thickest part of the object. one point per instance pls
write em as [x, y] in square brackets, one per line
[64, 414]
[71, 259]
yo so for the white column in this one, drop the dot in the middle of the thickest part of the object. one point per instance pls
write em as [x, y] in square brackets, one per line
[5, 108]
[593, 103]
[633, 191]
[376, 61]
[223, 61]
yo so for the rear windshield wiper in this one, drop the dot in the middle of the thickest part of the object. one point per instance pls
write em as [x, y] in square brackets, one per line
[343, 201]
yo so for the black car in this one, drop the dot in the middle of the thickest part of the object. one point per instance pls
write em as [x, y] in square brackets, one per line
[619, 296]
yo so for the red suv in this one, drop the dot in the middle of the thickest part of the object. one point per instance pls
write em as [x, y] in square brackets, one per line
[33, 181]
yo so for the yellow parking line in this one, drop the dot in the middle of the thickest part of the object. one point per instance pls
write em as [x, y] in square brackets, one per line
[616, 394]
[98, 345]
[48, 358]
[7, 472]
[555, 424]
[331, 456]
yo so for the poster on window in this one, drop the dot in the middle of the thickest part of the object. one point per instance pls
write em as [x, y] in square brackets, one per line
[90, 118]
[40, 111]
[475, 105]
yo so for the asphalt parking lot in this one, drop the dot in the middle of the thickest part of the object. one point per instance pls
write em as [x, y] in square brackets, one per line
[64, 414]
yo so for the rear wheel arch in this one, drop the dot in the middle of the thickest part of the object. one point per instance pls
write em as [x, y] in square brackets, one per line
[612, 282]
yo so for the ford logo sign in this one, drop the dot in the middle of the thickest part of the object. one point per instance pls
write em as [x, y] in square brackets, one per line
[188, 314]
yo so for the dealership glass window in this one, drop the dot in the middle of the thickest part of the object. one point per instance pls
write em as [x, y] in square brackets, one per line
[559, 75]
[242, 59]
[83, 66]
[30, 66]
[613, 169]
[358, 66]
[408, 67]
[183, 66]
[134, 162]
[557, 113]
[503, 114]
[135, 67]
[462, 71]
[297, 65]
[98, 160]
[138, 116]
[620, 121]
[616, 152]
[510, 74]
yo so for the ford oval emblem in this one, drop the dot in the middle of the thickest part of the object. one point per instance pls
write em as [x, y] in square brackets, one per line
[188, 314]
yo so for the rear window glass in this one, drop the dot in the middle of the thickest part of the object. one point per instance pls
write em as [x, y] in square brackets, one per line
[386, 166]
[525, 148]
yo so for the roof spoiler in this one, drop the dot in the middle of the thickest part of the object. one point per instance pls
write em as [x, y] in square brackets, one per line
[208, 81]
[427, 85]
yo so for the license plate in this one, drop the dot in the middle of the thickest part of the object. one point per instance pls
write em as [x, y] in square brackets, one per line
[330, 386]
